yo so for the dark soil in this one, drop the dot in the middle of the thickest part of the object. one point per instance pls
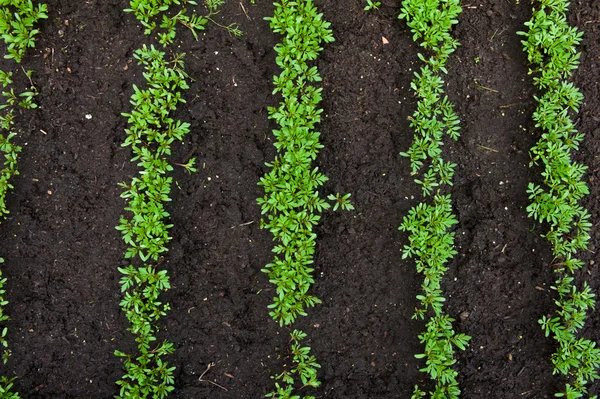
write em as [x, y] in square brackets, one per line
[62, 250]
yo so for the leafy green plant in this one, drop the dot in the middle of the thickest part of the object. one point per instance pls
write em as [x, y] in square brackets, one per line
[146, 10]
[3, 317]
[150, 133]
[341, 201]
[6, 385]
[291, 203]
[550, 44]
[17, 19]
[431, 241]
[431, 244]
[305, 367]
[9, 150]
[372, 5]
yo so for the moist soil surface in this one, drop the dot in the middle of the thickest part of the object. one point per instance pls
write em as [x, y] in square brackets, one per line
[62, 251]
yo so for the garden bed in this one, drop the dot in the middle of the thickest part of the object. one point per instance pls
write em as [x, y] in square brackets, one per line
[62, 251]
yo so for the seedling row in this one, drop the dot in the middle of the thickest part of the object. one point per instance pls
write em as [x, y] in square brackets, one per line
[295, 193]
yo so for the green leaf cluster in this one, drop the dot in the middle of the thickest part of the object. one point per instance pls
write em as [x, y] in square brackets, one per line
[150, 133]
[431, 22]
[550, 44]
[341, 201]
[305, 367]
[146, 10]
[3, 317]
[10, 152]
[431, 241]
[6, 386]
[372, 5]
[17, 19]
[431, 244]
[291, 203]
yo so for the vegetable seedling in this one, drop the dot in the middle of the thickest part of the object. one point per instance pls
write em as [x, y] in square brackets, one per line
[431, 239]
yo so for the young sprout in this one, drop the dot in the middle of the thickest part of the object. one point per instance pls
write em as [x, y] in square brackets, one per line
[341, 202]
[146, 10]
[431, 240]
[291, 204]
[17, 20]
[550, 44]
[150, 133]
[305, 367]
[372, 5]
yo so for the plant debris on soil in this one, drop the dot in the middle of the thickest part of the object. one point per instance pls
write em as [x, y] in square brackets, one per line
[62, 251]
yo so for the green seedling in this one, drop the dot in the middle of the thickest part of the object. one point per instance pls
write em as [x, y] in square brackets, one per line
[550, 44]
[305, 367]
[3, 317]
[431, 244]
[146, 10]
[6, 386]
[341, 201]
[291, 203]
[372, 5]
[17, 19]
[150, 133]
[9, 150]
[431, 241]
